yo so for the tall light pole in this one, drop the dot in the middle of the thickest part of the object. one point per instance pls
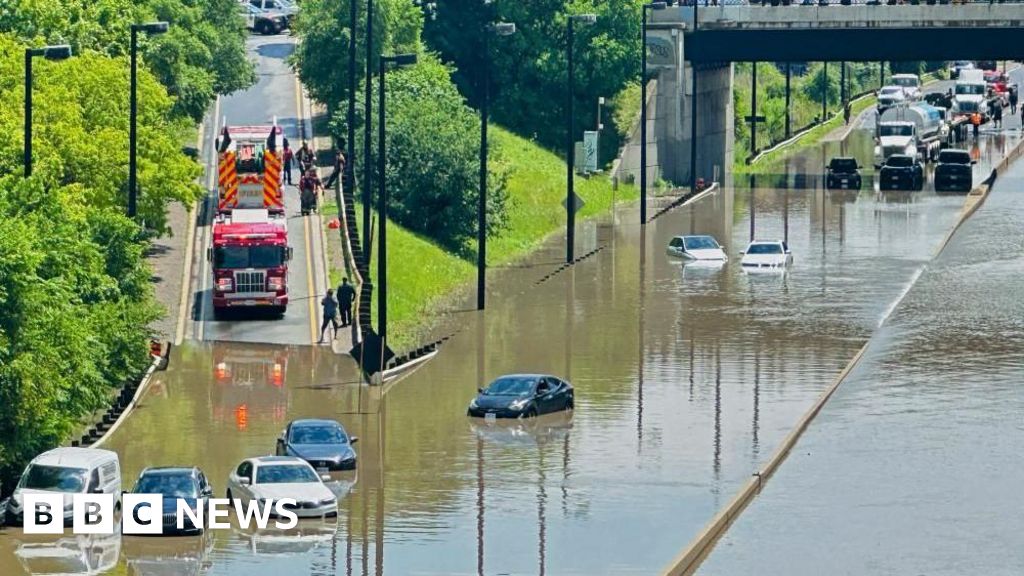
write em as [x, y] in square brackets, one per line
[133, 189]
[398, 60]
[499, 29]
[60, 52]
[368, 111]
[643, 108]
[570, 157]
[350, 144]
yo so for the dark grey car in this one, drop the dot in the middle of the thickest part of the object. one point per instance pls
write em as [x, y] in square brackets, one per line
[322, 443]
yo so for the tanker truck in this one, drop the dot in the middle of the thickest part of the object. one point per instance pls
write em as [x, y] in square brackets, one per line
[919, 131]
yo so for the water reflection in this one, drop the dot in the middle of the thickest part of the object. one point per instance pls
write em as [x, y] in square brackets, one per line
[82, 554]
[170, 556]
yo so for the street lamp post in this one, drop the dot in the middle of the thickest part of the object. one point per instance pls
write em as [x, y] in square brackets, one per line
[350, 148]
[398, 60]
[499, 29]
[367, 108]
[643, 109]
[60, 52]
[133, 191]
[570, 196]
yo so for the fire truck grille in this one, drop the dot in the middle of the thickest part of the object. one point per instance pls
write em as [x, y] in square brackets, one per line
[249, 281]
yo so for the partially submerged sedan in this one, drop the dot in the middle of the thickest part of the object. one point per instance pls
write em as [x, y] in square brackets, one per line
[267, 479]
[697, 248]
[323, 443]
[766, 254]
[522, 396]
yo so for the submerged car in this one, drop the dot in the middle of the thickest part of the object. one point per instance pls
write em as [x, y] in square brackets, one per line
[696, 248]
[843, 173]
[271, 478]
[174, 484]
[323, 443]
[770, 254]
[901, 172]
[522, 396]
[954, 171]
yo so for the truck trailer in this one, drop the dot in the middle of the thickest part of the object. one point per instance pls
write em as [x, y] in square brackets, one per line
[919, 131]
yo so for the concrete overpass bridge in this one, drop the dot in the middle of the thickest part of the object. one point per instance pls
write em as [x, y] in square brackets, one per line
[691, 56]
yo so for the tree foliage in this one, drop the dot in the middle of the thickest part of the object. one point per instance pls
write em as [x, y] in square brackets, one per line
[432, 164]
[202, 55]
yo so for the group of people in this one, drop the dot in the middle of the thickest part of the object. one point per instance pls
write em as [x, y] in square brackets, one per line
[333, 308]
[310, 185]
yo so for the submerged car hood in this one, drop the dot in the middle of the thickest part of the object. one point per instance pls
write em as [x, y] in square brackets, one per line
[496, 401]
[760, 259]
[19, 496]
[708, 254]
[321, 450]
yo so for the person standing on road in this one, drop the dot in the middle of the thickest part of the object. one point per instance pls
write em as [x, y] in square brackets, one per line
[304, 157]
[330, 310]
[288, 157]
[975, 123]
[1013, 99]
[997, 114]
[346, 296]
[339, 168]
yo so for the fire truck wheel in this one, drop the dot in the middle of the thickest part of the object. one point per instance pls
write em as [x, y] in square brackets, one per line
[279, 311]
[218, 314]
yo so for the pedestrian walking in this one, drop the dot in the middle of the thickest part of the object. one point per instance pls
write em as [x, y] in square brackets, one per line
[304, 157]
[330, 311]
[1013, 99]
[846, 113]
[975, 123]
[289, 159]
[346, 296]
[997, 114]
[339, 168]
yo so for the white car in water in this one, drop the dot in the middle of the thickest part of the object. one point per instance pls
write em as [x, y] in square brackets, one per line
[271, 478]
[697, 248]
[766, 254]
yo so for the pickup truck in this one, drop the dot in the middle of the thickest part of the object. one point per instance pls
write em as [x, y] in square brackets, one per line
[901, 172]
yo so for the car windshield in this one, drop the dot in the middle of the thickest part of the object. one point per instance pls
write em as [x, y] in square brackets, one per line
[764, 249]
[284, 474]
[317, 435]
[843, 164]
[906, 82]
[170, 485]
[898, 130]
[55, 478]
[248, 256]
[700, 243]
[514, 386]
[970, 89]
[900, 161]
[892, 90]
[957, 157]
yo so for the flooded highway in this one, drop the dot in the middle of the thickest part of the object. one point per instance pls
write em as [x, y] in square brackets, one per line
[686, 378]
[913, 467]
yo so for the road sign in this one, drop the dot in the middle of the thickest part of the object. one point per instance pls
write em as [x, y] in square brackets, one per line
[750, 119]
[661, 50]
[590, 151]
[579, 202]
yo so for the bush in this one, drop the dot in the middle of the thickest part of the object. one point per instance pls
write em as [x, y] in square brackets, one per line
[432, 165]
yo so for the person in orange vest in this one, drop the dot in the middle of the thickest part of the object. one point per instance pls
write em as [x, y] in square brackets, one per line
[976, 122]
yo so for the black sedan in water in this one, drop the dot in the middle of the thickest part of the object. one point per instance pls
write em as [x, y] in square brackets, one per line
[901, 172]
[954, 171]
[322, 443]
[174, 483]
[522, 396]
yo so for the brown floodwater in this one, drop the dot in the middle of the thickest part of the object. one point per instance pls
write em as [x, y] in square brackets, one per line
[686, 376]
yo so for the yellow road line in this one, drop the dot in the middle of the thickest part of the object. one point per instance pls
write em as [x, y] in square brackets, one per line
[313, 337]
[190, 250]
[204, 272]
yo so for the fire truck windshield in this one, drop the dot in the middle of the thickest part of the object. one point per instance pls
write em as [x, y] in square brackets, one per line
[249, 159]
[248, 256]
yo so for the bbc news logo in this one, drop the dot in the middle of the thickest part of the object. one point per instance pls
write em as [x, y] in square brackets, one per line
[144, 514]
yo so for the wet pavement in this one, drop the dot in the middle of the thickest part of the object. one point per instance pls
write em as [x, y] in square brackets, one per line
[274, 96]
[686, 378]
[913, 466]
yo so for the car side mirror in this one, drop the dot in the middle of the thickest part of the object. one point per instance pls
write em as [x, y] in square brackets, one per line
[244, 481]
[974, 161]
[742, 252]
[479, 390]
[325, 477]
[208, 493]
[209, 254]
[353, 439]
[289, 253]
[96, 490]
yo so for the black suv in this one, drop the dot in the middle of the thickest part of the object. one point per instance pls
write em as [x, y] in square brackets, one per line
[901, 172]
[954, 172]
[842, 173]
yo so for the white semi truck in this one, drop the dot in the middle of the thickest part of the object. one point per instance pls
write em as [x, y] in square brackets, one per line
[971, 94]
[917, 130]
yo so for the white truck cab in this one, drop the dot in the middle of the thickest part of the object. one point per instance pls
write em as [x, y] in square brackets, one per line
[970, 94]
[910, 83]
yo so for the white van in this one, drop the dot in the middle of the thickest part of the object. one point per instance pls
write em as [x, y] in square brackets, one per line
[67, 471]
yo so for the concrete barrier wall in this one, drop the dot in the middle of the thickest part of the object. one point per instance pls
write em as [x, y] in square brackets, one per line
[838, 16]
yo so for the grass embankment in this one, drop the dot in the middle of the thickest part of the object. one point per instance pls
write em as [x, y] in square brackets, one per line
[423, 277]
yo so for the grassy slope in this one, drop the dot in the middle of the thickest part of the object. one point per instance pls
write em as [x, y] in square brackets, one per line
[422, 276]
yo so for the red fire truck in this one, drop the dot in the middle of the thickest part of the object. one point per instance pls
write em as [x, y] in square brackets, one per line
[249, 257]
[249, 165]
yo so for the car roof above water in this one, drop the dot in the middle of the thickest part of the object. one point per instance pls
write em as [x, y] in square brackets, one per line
[74, 457]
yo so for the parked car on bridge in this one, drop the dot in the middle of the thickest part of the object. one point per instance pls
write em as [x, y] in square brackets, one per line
[522, 396]
[323, 443]
[954, 171]
[263, 21]
[843, 173]
[67, 471]
[901, 172]
[770, 254]
[696, 248]
[175, 483]
[271, 478]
